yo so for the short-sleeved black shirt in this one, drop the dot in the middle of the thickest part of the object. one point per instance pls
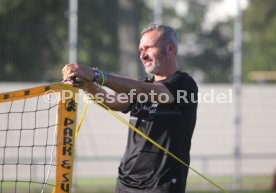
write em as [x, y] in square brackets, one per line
[145, 168]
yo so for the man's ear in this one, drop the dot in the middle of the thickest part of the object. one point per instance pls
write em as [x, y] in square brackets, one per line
[171, 48]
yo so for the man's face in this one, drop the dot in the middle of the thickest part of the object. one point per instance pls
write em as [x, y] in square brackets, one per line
[152, 52]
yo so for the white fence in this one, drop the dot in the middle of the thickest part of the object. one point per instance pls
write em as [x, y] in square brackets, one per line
[102, 138]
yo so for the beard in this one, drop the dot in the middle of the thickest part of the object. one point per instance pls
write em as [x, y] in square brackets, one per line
[153, 69]
[157, 63]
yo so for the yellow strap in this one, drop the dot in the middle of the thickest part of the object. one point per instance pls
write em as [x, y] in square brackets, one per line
[81, 119]
[116, 115]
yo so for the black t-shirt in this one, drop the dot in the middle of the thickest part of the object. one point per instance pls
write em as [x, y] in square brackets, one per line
[144, 167]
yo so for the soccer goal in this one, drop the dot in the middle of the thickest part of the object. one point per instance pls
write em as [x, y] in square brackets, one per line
[37, 139]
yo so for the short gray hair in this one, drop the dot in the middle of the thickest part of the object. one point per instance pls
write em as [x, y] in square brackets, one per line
[166, 33]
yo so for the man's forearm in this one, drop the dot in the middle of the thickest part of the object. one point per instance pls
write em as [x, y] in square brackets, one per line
[127, 85]
[109, 99]
[124, 85]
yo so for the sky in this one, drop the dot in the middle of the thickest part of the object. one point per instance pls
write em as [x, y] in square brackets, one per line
[219, 11]
[223, 10]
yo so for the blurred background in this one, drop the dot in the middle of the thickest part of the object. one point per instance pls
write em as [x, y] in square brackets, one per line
[228, 46]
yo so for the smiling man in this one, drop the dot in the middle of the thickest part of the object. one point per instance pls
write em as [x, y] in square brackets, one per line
[144, 167]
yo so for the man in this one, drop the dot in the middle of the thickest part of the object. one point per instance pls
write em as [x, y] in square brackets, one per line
[166, 112]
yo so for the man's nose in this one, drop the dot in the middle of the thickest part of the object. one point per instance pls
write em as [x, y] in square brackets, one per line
[143, 55]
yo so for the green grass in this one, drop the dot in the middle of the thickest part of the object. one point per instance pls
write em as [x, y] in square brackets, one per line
[249, 184]
[268, 191]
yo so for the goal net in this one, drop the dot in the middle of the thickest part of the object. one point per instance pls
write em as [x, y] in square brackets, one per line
[37, 138]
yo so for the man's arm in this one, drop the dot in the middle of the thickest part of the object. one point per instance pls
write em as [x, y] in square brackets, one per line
[112, 100]
[126, 85]
[120, 84]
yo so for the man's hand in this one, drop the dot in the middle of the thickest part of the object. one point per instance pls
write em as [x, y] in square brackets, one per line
[77, 72]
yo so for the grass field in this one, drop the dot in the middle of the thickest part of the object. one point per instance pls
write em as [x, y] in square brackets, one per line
[187, 192]
[249, 184]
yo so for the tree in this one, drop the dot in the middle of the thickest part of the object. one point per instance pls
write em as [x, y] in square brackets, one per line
[259, 37]
[201, 50]
[32, 38]
[213, 55]
[98, 38]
